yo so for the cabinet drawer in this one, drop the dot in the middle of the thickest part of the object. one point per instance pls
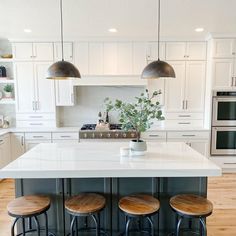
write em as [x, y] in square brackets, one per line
[35, 116]
[226, 163]
[36, 124]
[152, 135]
[184, 116]
[37, 135]
[188, 135]
[184, 123]
[65, 135]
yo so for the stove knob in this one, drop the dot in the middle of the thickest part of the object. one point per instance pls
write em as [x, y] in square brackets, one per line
[85, 135]
[132, 135]
[101, 135]
[108, 135]
[124, 135]
[116, 135]
[93, 135]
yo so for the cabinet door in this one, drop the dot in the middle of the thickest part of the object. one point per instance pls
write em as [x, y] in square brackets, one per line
[68, 51]
[196, 50]
[25, 95]
[95, 58]
[23, 51]
[124, 59]
[44, 88]
[175, 51]
[139, 57]
[29, 144]
[195, 86]
[222, 73]
[64, 93]
[110, 58]
[224, 48]
[152, 51]
[200, 146]
[17, 145]
[5, 150]
[43, 51]
[81, 57]
[174, 88]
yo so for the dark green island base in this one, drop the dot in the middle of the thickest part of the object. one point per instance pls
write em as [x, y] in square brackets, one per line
[112, 220]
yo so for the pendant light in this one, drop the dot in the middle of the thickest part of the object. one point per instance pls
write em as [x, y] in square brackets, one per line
[62, 70]
[158, 69]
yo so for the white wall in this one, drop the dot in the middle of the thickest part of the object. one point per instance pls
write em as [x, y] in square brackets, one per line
[89, 101]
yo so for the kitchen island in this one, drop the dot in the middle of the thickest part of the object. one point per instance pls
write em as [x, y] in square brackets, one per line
[62, 170]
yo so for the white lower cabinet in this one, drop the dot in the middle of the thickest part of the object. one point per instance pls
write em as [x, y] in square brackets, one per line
[17, 145]
[5, 150]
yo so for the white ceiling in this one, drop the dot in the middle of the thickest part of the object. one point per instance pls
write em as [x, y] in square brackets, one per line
[134, 19]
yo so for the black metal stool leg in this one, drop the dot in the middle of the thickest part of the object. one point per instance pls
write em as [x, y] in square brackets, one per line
[23, 226]
[190, 224]
[13, 226]
[204, 229]
[29, 223]
[151, 226]
[127, 227]
[46, 223]
[96, 224]
[98, 215]
[72, 226]
[178, 226]
[37, 225]
[76, 226]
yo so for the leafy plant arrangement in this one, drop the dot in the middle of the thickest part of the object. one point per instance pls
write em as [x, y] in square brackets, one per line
[8, 88]
[137, 116]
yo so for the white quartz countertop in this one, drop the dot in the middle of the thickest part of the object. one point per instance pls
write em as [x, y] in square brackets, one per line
[102, 159]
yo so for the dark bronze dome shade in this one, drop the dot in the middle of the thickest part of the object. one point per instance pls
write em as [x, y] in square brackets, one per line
[158, 69]
[62, 70]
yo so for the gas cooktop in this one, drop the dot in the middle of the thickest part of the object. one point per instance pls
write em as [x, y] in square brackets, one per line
[93, 127]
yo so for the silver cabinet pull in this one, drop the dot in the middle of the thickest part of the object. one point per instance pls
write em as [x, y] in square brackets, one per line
[188, 135]
[184, 123]
[65, 136]
[36, 123]
[33, 105]
[184, 115]
[22, 141]
[36, 117]
[37, 105]
[229, 163]
[37, 136]
[72, 98]
[186, 104]
[183, 105]
[153, 135]
[232, 81]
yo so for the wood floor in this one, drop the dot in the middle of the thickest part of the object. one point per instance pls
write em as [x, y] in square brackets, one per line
[221, 191]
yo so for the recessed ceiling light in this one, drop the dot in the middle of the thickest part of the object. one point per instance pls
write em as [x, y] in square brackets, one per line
[199, 29]
[27, 30]
[112, 30]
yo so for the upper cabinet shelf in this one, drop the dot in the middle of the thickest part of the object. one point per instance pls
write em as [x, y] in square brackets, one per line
[6, 60]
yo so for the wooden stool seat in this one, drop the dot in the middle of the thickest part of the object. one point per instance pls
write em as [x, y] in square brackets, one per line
[85, 203]
[28, 205]
[192, 205]
[139, 204]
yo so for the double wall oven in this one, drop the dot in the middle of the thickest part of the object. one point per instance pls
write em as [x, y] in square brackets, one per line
[223, 130]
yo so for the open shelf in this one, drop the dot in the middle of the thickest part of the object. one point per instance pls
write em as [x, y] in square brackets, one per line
[6, 81]
[7, 101]
[6, 59]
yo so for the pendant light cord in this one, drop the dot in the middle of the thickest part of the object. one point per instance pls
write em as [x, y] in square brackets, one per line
[158, 29]
[62, 40]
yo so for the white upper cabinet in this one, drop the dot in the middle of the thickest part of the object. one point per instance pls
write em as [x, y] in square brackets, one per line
[44, 89]
[223, 73]
[186, 92]
[186, 51]
[25, 97]
[110, 58]
[124, 59]
[139, 57]
[81, 57]
[34, 92]
[195, 86]
[64, 93]
[68, 51]
[224, 48]
[33, 51]
[152, 51]
[95, 58]
[174, 88]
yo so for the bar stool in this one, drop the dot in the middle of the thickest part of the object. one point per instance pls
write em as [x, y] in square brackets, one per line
[139, 206]
[84, 205]
[29, 207]
[191, 206]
